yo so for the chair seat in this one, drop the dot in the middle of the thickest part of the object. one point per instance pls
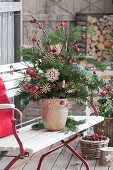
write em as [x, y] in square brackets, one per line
[34, 141]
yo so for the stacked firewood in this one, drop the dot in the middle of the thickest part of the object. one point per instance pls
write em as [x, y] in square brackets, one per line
[97, 44]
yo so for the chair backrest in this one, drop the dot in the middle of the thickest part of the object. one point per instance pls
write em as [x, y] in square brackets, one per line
[11, 73]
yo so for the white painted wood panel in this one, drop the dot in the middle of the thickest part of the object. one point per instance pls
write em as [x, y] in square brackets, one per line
[11, 74]
[4, 38]
[7, 9]
[14, 66]
[10, 77]
[10, 6]
[11, 93]
[10, 38]
[34, 141]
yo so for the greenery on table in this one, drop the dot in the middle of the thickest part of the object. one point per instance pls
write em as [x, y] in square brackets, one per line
[71, 125]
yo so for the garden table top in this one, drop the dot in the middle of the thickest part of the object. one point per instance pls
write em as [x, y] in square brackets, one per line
[34, 141]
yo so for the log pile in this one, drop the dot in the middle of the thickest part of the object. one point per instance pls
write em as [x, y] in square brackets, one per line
[97, 44]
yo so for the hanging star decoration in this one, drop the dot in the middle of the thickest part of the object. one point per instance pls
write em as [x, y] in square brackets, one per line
[109, 158]
[46, 88]
[52, 74]
[35, 94]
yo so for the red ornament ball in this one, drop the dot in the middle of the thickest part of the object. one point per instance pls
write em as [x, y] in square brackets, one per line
[54, 50]
[75, 46]
[33, 40]
[83, 37]
[30, 90]
[73, 60]
[39, 92]
[35, 87]
[62, 102]
[94, 72]
[39, 27]
[33, 21]
[77, 50]
[28, 85]
[69, 61]
[103, 94]
[28, 71]
[53, 85]
[63, 24]
[25, 87]
[62, 28]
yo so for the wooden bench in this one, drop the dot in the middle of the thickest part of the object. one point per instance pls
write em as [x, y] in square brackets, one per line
[28, 141]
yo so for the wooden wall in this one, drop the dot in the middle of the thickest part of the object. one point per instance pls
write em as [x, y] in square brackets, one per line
[60, 10]
[7, 29]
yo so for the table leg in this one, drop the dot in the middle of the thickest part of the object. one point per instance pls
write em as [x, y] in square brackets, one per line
[12, 162]
[75, 153]
[47, 153]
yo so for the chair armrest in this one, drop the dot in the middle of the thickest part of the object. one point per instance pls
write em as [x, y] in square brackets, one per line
[12, 107]
[6, 106]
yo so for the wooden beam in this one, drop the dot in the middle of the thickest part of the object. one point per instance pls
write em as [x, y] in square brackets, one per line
[49, 17]
[10, 6]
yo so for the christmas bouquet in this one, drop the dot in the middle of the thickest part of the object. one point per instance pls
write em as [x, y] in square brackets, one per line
[54, 70]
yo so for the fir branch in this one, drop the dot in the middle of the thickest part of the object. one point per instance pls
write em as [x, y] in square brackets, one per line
[71, 125]
[38, 125]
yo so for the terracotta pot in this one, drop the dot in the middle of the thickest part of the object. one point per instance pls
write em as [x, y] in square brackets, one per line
[54, 113]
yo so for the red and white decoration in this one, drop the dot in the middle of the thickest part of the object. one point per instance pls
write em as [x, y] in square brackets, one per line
[52, 74]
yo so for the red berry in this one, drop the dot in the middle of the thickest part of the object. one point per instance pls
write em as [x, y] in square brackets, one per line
[94, 72]
[83, 37]
[34, 20]
[62, 28]
[53, 85]
[54, 50]
[28, 85]
[39, 92]
[93, 138]
[25, 87]
[62, 102]
[31, 21]
[73, 60]
[69, 61]
[32, 74]
[39, 27]
[75, 46]
[57, 27]
[33, 40]
[35, 87]
[77, 50]
[28, 71]
[30, 90]
[96, 134]
[103, 94]
[63, 24]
